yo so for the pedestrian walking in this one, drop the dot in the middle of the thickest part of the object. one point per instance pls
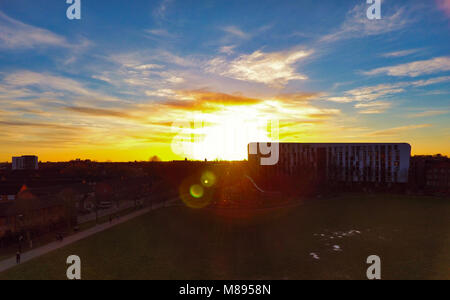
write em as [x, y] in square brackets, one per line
[18, 257]
[20, 243]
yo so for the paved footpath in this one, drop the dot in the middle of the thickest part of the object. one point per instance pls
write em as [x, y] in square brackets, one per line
[105, 212]
[11, 262]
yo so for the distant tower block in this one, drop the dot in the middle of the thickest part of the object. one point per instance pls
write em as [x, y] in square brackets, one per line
[27, 162]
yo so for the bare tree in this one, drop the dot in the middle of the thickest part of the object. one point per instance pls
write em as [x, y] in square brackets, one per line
[68, 198]
[155, 158]
[24, 207]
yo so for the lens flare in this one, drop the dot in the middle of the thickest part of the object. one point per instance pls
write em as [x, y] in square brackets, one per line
[196, 191]
[208, 179]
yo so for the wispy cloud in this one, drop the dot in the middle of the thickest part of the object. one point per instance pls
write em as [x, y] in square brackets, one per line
[161, 10]
[369, 93]
[99, 112]
[207, 101]
[229, 50]
[414, 69]
[381, 91]
[358, 25]
[175, 104]
[133, 61]
[160, 32]
[297, 98]
[236, 31]
[46, 83]
[430, 81]
[37, 124]
[376, 107]
[401, 53]
[429, 113]
[444, 5]
[9, 92]
[171, 58]
[15, 34]
[397, 130]
[275, 69]
[149, 70]
[162, 93]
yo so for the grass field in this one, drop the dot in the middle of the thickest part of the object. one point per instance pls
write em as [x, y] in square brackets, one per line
[410, 234]
[50, 237]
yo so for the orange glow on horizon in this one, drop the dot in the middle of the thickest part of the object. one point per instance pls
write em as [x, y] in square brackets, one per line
[220, 127]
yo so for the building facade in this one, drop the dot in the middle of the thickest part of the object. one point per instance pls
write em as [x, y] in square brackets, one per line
[28, 162]
[430, 174]
[438, 177]
[339, 162]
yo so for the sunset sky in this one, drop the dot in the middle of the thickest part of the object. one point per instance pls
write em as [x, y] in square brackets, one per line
[111, 85]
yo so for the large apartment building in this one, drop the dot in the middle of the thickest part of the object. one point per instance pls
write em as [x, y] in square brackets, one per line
[338, 162]
[27, 162]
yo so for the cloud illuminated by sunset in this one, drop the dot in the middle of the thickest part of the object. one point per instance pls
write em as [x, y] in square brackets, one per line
[444, 5]
[113, 88]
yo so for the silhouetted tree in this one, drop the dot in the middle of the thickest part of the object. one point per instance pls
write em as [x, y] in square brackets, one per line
[24, 206]
[154, 158]
[68, 197]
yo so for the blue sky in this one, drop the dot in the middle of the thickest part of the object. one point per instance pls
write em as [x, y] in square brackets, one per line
[108, 86]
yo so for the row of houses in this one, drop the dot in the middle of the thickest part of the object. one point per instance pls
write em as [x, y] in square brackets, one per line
[43, 207]
[22, 210]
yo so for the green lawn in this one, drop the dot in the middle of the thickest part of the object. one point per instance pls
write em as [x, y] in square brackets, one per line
[410, 234]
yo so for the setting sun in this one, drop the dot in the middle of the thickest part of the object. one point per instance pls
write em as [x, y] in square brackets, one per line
[225, 134]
